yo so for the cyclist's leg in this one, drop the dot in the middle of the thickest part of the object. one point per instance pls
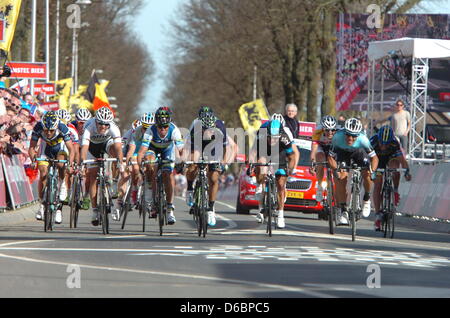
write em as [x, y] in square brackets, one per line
[281, 179]
[320, 157]
[191, 174]
[213, 183]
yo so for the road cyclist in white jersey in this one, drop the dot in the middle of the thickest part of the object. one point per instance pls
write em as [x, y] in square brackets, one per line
[82, 116]
[101, 136]
[65, 117]
[133, 147]
[163, 138]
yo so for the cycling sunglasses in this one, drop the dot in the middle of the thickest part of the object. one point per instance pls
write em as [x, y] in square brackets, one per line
[351, 135]
[103, 124]
[163, 126]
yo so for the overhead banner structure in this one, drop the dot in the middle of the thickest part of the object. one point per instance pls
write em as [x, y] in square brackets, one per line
[9, 10]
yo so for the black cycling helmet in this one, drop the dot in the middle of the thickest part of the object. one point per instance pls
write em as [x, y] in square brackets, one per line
[163, 116]
[205, 110]
[208, 120]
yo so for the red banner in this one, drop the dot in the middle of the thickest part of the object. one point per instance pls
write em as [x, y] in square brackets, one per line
[306, 128]
[50, 106]
[47, 88]
[28, 70]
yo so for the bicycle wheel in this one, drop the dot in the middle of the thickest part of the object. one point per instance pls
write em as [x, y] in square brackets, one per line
[142, 205]
[389, 216]
[74, 202]
[269, 208]
[352, 213]
[103, 208]
[126, 206]
[330, 205]
[51, 202]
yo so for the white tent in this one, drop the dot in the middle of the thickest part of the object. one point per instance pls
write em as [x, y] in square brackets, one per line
[420, 50]
[416, 48]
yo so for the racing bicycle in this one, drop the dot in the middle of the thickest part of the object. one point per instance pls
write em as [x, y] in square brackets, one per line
[270, 197]
[104, 196]
[388, 207]
[329, 202]
[200, 208]
[51, 192]
[76, 197]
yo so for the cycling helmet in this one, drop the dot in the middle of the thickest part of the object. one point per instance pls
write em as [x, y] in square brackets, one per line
[328, 122]
[63, 115]
[163, 116]
[204, 110]
[278, 117]
[353, 127]
[104, 115]
[386, 135]
[50, 120]
[274, 129]
[136, 123]
[208, 120]
[147, 120]
[83, 114]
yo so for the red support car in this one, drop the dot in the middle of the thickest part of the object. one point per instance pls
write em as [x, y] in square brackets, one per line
[301, 188]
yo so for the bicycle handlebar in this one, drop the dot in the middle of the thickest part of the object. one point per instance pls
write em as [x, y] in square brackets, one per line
[52, 160]
[202, 162]
[98, 160]
[392, 169]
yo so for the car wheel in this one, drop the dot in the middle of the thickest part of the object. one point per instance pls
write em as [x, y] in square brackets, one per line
[240, 209]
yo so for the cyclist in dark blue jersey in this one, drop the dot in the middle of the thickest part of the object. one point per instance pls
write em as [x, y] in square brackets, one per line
[56, 144]
[390, 154]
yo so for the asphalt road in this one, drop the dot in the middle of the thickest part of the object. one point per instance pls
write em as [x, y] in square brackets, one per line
[236, 259]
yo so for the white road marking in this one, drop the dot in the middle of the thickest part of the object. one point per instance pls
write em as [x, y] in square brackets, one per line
[178, 275]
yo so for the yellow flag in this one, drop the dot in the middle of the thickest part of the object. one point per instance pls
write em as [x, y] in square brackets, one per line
[76, 100]
[252, 113]
[63, 92]
[9, 11]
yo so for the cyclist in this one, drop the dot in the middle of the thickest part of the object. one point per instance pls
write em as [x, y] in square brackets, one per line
[163, 138]
[205, 130]
[390, 154]
[82, 116]
[274, 145]
[101, 136]
[350, 144]
[321, 142]
[134, 144]
[65, 117]
[56, 144]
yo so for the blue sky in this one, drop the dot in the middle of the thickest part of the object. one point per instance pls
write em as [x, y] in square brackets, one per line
[153, 23]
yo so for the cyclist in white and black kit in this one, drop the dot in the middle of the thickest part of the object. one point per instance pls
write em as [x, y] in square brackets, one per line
[101, 136]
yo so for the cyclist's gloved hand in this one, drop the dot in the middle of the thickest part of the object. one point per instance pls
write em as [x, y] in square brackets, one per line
[373, 175]
[407, 175]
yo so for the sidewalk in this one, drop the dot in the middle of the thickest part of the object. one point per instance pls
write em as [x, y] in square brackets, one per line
[12, 217]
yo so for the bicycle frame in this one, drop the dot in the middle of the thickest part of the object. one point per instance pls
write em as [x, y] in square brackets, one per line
[51, 192]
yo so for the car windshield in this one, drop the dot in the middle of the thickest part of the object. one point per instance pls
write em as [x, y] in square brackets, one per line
[304, 157]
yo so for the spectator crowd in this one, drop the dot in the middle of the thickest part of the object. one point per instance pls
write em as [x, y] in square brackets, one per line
[19, 112]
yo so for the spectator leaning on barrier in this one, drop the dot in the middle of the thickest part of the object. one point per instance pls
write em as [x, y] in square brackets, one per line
[400, 122]
[290, 118]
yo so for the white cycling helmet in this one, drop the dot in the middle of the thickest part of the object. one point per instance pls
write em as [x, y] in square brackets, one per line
[83, 114]
[353, 126]
[328, 122]
[147, 119]
[278, 117]
[63, 115]
[104, 115]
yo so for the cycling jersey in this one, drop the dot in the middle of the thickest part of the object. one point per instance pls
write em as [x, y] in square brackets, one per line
[284, 147]
[320, 138]
[391, 150]
[73, 133]
[61, 135]
[91, 134]
[338, 144]
[137, 138]
[197, 132]
[154, 141]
